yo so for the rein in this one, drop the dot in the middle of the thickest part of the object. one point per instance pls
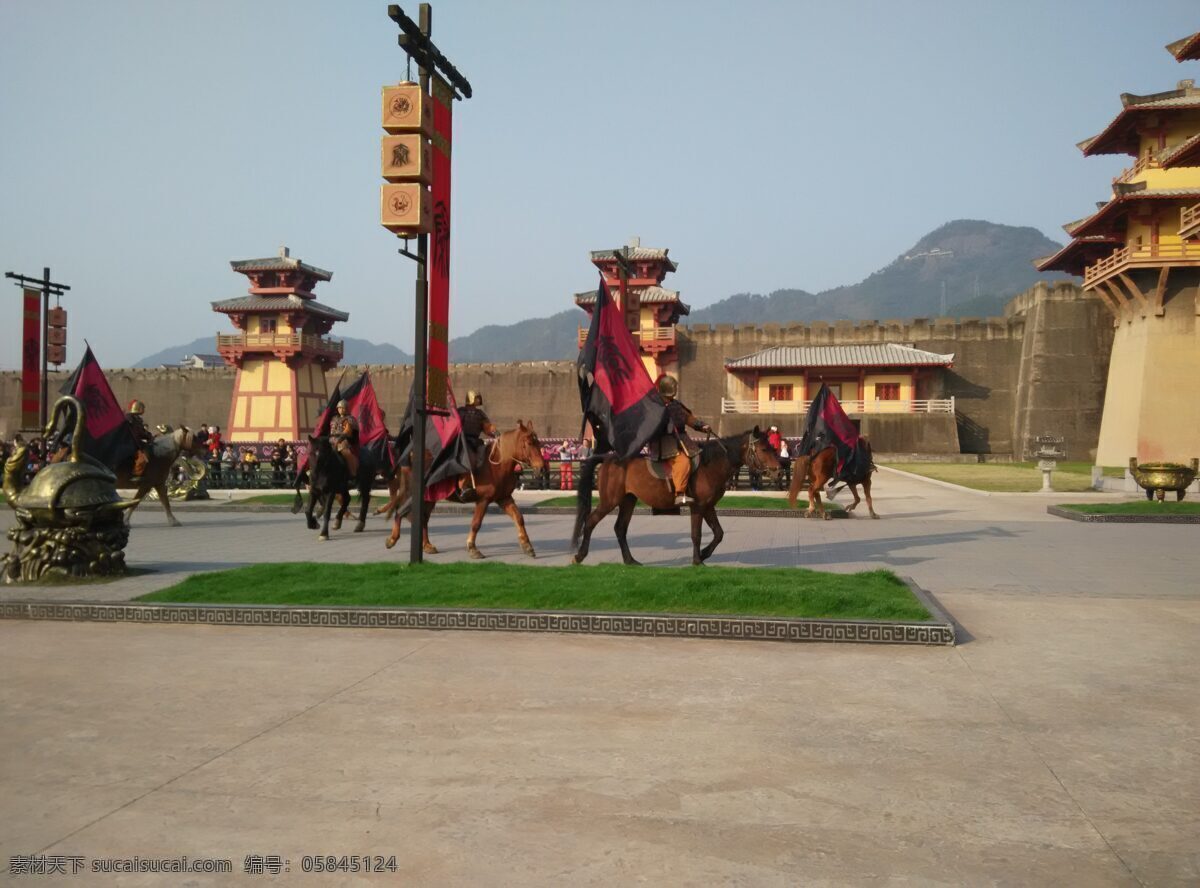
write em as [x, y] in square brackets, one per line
[497, 451]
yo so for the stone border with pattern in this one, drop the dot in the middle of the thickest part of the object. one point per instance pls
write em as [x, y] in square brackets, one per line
[1093, 518]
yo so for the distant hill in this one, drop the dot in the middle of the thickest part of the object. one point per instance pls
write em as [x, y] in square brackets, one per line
[358, 351]
[539, 339]
[977, 265]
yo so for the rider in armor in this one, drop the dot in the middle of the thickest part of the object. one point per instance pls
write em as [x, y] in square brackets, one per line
[475, 424]
[142, 435]
[343, 434]
[675, 446]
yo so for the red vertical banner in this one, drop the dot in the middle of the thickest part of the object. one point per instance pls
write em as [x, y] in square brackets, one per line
[31, 359]
[439, 252]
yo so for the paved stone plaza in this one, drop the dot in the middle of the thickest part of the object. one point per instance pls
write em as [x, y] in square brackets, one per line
[1056, 745]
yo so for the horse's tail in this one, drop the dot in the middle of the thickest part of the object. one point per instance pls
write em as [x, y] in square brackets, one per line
[800, 466]
[583, 498]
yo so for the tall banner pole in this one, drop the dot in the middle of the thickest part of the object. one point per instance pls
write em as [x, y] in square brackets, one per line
[439, 270]
[31, 358]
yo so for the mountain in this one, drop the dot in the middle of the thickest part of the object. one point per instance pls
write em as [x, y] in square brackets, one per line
[357, 351]
[971, 264]
[538, 339]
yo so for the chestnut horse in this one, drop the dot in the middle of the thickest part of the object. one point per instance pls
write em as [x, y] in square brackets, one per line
[819, 470]
[623, 482]
[495, 482]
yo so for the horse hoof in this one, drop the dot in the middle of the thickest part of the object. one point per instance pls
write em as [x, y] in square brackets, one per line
[575, 559]
[312, 525]
[389, 543]
[632, 562]
[430, 549]
[475, 553]
[321, 537]
[358, 528]
[528, 550]
[873, 515]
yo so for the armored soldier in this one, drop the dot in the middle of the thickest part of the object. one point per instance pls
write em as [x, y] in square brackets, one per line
[475, 424]
[675, 446]
[135, 416]
[343, 434]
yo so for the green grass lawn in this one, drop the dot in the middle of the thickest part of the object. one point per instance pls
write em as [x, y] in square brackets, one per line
[1136, 507]
[729, 501]
[1022, 477]
[782, 592]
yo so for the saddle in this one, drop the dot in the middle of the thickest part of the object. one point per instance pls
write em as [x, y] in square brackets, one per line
[661, 468]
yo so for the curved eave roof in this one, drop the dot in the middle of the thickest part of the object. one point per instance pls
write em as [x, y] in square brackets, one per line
[1186, 49]
[890, 354]
[1120, 137]
[649, 296]
[636, 253]
[279, 303]
[1185, 154]
[1101, 222]
[1078, 254]
[280, 263]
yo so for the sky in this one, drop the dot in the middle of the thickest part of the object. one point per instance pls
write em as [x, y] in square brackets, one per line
[145, 144]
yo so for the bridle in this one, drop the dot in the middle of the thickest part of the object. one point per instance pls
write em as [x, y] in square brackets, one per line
[496, 455]
[752, 460]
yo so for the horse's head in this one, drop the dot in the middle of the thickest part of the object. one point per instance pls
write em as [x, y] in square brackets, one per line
[760, 456]
[187, 441]
[528, 448]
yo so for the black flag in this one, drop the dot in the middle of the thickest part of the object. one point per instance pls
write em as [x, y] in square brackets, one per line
[109, 438]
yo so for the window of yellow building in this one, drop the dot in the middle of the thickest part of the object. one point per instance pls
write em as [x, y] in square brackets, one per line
[780, 392]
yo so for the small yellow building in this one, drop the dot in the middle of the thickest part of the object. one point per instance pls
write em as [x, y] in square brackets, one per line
[875, 378]
[1140, 255]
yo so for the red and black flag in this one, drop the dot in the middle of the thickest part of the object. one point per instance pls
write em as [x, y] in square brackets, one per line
[616, 393]
[363, 405]
[322, 426]
[445, 445]
[109, 438]
[828, 425]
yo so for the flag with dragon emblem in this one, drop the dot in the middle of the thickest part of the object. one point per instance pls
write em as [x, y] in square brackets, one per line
[109, 438]
[618, 396]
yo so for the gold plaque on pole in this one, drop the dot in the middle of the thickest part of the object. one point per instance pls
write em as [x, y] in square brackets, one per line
[406, 209]
[406, 109]
[407, 158]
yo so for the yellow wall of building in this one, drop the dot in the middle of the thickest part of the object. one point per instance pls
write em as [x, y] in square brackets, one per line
[765, 382]
[252, 376]
[280, 377]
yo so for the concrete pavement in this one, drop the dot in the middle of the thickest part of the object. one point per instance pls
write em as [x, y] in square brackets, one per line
[1056, 746]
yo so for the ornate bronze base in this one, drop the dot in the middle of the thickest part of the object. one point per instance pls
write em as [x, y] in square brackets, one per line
[66, 552]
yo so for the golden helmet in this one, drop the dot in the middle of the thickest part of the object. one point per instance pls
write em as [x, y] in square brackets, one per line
[136, 407]
[473, 398]
[668, 385]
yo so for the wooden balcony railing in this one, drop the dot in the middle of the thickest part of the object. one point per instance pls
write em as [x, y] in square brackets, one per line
[1143, 163]
[937, 405]
[651, 337]
[269, 342]
[1189, 221]
[1151, 254]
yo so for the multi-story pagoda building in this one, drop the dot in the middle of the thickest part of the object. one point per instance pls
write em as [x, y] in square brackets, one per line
[651, 311]
[280, 350]
[1139, 252]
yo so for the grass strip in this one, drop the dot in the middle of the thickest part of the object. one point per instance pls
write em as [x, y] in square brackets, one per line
[1137, 507]
[1023, 477]
[776, 592]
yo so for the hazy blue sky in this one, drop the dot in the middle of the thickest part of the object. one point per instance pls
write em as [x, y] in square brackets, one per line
[769, 145]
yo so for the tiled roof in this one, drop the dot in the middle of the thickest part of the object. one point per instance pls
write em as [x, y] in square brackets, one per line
[279, 303]
[888, 354]
[1079, 252]
[637, 253]
[280, 263]
[1120, 137]
[1186, 153]
[1112, 210]
[1186, 49]
[649, 295]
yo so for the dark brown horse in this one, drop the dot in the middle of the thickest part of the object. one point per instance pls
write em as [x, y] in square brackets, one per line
[819, 470]
[623, 482]
[495, 482]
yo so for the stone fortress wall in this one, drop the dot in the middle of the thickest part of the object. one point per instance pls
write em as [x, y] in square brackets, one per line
[1040, 369]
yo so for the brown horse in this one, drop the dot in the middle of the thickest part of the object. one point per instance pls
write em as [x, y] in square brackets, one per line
[818, 471]
[623, 482]
[495, 482]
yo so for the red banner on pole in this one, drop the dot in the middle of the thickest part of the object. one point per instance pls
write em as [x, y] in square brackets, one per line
[439, 253]
[31, 359]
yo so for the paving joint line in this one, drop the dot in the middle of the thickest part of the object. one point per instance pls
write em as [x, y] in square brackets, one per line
[235, 747]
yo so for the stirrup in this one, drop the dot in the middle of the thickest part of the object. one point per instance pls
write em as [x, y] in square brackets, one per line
[681, 500]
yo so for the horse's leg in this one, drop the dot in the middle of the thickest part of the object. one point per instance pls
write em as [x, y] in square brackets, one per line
[854, 493]
[624, 515]
[426, 546]
[329, 498]
[867, 493]
[597, 515]
[161, 489]
[476, 523]
[519, 520]
[344, 498]
[697, 526]
[710, 516]
[309, 519]
[364, 495]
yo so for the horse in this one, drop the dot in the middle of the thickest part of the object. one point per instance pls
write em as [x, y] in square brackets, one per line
[329, 478]
[495, 482]
[623, 482]
[820, 470]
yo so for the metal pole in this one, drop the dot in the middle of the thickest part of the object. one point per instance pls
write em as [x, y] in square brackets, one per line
[45, 406]
[421, 318]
